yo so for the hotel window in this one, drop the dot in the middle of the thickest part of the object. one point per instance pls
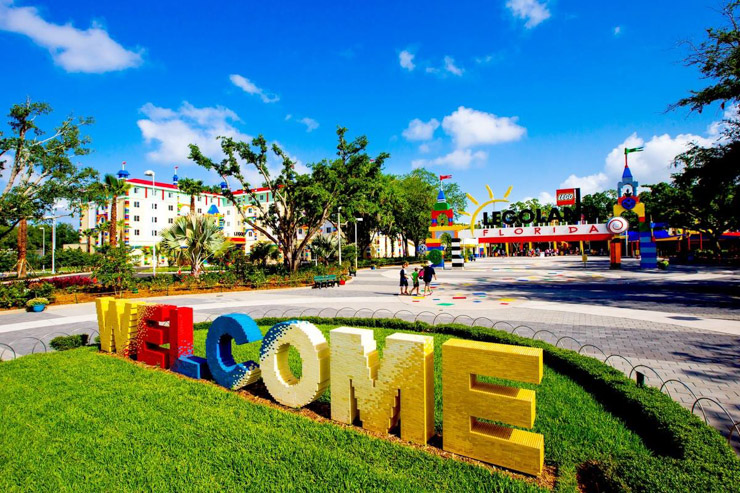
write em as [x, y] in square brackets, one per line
[250, 234]
[170, 221]
[136, 218]
[200, 211]
[199, 199]
[328, 230]
[136, 204]
[154, 206]
[136, 190]
[154, 232]
[136, 232]
[228, 224]
[154, 219]
[169, 196]
[170, 207]
[228, 212]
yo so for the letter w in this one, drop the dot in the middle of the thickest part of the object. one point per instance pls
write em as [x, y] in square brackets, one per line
[401, 387]
[118, 324]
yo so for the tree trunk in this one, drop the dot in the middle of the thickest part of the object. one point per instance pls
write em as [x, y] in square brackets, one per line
[192, 204]
[112, 234]
[89, 243]
[22, 265]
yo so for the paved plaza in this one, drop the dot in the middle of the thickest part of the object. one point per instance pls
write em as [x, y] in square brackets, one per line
[681, 324]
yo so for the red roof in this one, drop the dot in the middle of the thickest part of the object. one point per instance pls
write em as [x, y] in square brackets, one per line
[138, 181]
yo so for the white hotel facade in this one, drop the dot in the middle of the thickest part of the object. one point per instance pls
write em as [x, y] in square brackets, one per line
[150, 207]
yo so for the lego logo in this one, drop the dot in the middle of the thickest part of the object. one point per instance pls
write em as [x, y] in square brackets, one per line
[565, 196]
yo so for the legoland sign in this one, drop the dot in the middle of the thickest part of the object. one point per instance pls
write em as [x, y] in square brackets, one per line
[575, 232]
[380, 393]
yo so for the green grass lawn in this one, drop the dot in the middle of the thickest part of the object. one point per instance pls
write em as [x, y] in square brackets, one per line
[576, 427]
[80, 420]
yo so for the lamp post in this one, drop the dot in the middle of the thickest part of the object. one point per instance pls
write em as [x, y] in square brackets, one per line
[357, 251]
[154, 245]
[43, 245]
[339, 230]
[54, 240]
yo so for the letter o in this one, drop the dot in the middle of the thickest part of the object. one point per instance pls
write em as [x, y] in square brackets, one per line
[226, 372]
[526, 216]
[314, 350]
[518, 231]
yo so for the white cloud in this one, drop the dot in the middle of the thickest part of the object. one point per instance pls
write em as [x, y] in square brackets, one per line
[75, 50]
[469, 127]
[451, 67]
[653, 165]
[617, 30]
[170, 131]
[310, 124]
[419, 130]
[406, 59]
[459, 159]
[288, 117]
[546, 198]
[424, 148]
[250, 88]
[533, 11]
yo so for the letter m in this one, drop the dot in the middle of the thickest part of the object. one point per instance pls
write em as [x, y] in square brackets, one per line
[118, 323]
[382, 393]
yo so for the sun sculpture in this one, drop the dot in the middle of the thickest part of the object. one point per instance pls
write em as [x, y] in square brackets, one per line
[480, 207]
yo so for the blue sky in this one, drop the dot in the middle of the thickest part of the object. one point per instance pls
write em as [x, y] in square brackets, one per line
[527, 93]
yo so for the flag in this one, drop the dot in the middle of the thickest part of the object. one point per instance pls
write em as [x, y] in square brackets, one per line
[444, 177]
[628, 150]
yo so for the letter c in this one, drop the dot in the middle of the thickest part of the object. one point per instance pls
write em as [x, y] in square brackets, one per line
[226, 372]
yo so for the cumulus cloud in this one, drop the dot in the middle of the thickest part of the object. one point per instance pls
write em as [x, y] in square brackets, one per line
[419, 130]
[250, 88]
[406, 59]
[451, 67]
[75, 50]
[170, 131]
[458, 159]
[653, 165]
[469, 127]
[310, 124]
[531, 11]
[617, 30]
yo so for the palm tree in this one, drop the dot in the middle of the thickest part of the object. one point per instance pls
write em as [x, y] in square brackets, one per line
[193, 239]
[88, 234]
[114, 187]
[101, 228]
[263, 251]
[122, 229]
[191, 187]
[323, 248]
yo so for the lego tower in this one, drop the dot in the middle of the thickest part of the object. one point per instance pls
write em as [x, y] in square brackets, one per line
[629, 201]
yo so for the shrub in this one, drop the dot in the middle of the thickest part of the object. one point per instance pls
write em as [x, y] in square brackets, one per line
[70, 282]
[14, 294]
[37, 301]
[41, 289]
[114, 269]
[62, 343]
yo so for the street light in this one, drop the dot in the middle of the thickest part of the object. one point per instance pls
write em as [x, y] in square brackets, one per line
[339, 229]
[54, 239]
[43, 245]
[154, 246]
[357, 220]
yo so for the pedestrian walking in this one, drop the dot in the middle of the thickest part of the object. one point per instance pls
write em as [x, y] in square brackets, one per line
[429, 274]
[404, 279]
[415, 281]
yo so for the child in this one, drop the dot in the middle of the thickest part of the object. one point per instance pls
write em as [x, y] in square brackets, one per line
[415, 279]
[404, 279]
[429, 273]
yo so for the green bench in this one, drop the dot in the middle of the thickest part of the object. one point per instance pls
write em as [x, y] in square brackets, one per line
[324, 281]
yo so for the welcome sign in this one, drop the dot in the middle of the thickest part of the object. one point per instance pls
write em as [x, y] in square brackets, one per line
[381, 393]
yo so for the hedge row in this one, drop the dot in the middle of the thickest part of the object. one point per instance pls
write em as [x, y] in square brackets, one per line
[689, 455]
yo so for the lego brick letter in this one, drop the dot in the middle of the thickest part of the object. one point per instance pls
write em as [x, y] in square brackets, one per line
[226, 372]
[118, 322]
[279, 380]
[467, 401]
[381, 393]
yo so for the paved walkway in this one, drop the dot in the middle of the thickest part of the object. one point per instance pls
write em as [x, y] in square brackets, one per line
[682, 323]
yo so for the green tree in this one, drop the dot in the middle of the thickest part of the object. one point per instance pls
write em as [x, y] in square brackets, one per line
[193, 188]
[706, 189]
[193, 239]
[88, 234]
[600, 205]
[263, 251]
[300, 201]
[323, 249]
[718, 59]
[114, 269]
[41, 172]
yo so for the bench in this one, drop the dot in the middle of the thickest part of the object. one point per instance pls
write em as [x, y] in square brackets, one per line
[324, 281]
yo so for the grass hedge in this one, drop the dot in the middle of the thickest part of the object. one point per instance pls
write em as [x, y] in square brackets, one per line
[689, 455]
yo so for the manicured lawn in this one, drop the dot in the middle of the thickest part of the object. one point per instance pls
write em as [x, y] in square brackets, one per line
[80, 420]
[576, 427]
